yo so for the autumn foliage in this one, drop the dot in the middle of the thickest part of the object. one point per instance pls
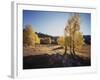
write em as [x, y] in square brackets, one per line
[73, 38]
[29, 37]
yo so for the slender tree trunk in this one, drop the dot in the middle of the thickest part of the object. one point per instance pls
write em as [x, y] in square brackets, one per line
[70, 41]
[65, 46]
[73, 44]
[65, 50]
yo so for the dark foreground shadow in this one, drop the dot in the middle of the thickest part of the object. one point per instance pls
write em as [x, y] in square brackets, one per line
[54, 61]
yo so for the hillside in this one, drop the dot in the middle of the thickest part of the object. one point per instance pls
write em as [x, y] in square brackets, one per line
[87, 38]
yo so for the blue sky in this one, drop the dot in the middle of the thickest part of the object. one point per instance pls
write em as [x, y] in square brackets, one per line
[53, 23]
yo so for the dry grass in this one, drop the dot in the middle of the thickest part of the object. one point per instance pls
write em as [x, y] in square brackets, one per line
[85, 51]
[37, 50]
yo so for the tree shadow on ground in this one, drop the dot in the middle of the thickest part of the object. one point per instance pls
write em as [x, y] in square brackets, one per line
[54, 61]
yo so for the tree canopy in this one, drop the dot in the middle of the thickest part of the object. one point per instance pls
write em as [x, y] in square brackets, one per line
[29, 36]
[73, 38]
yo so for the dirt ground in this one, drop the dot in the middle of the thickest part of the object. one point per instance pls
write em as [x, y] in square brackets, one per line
[85, 51]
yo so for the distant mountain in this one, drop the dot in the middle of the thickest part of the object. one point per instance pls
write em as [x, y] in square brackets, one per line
[42, 35]
[53, 38]
[87, 39]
